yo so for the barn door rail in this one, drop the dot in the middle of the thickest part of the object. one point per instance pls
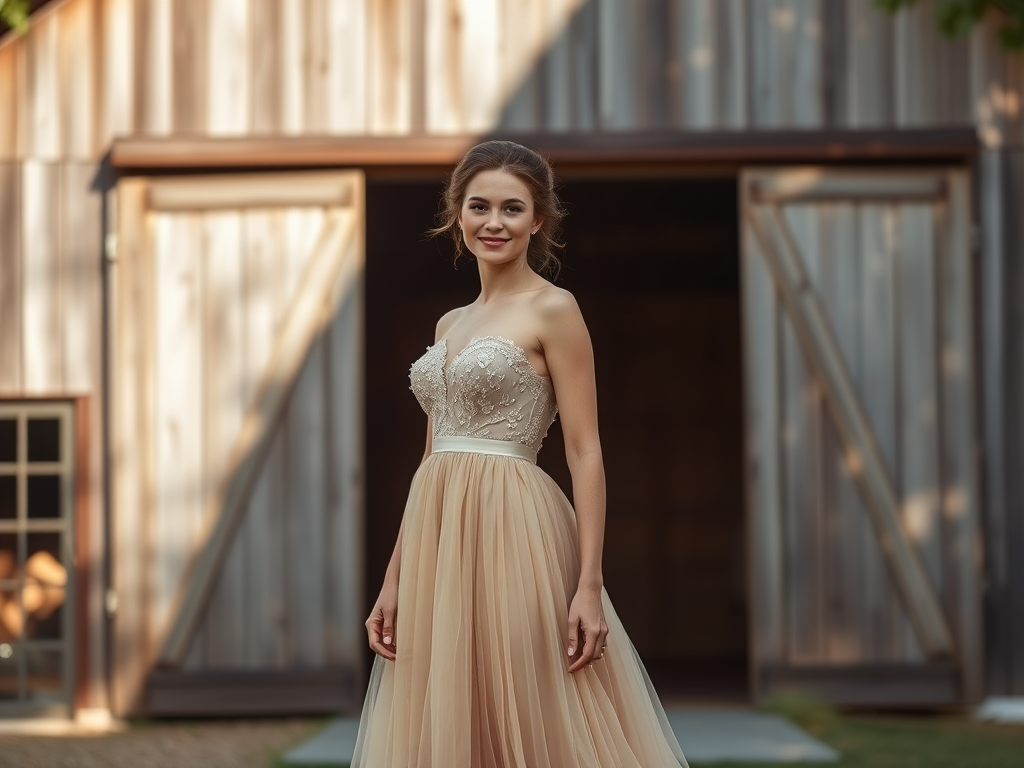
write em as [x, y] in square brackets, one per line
[332, 267]
[863, 456]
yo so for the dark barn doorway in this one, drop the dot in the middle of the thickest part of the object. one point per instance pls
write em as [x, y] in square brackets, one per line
[654, 263]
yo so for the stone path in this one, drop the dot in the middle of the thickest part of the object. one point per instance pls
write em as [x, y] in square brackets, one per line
[707, 736]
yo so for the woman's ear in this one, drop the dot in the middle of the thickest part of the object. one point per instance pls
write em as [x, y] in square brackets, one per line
[537, 224]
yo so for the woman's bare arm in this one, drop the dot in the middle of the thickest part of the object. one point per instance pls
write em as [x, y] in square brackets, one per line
[569, 355]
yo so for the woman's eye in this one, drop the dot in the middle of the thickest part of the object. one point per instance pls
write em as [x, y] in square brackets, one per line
[514, 209]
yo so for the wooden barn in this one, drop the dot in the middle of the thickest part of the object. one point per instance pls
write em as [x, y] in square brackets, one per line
[796, 233]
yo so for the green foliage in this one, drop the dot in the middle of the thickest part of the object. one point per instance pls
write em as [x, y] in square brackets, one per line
[958, 17]
[809, 712]
[915, 741]
[14, 14]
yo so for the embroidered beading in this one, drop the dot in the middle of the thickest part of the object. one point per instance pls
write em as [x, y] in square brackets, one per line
[489, 390]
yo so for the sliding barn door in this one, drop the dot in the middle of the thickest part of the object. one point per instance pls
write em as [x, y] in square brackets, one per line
[862, 484]
[237, 452]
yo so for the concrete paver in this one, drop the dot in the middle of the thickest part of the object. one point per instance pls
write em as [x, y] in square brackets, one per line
[706, 735]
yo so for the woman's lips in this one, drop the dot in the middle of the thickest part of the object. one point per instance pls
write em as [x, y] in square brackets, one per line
[493, 242]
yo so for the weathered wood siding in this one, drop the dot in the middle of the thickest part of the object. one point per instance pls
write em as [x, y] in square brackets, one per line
[893, 277]
[1002, 328]
[51, 329]
[91, 70]
[203, 287]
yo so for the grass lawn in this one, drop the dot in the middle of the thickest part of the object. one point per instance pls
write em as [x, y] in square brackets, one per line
[925, 741]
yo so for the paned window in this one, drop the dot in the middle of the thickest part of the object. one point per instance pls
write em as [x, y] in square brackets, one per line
[36, 503]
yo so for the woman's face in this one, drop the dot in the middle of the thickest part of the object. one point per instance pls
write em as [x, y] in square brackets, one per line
[498, 217]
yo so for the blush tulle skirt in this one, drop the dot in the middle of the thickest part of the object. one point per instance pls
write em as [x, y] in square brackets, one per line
[489, 567]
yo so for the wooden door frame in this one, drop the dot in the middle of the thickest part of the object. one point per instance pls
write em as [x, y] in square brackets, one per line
[131, 366]
[945, 678]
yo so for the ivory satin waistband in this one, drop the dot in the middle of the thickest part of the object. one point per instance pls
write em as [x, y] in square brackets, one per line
[483, 445]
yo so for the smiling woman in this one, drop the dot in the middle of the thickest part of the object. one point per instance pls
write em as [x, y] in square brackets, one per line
[497, 645]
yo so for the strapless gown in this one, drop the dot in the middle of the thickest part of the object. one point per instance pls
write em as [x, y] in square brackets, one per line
[489, 566]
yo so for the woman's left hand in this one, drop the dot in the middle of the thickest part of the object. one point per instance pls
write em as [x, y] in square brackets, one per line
[586, 625]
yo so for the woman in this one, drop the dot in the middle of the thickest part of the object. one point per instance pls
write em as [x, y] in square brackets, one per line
[497, 646]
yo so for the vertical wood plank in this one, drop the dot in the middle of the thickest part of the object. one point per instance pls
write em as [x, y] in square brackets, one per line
[884, 620]
[315, 65]
[224, 408]
[41, 301]
[229, 51]
[82, 291]
[917, 89]
[960, 508]
[293, 91]
[555, 91]
[78, 80]
[787, 64]
[868, 87]
[266, 67]
[654, 49]
[305, 436]
[733, 48]
[347, 72]
[480, 74]
[129, 465]
[801, 451]
[618, 61]
[443, 92]
[81, 278]
[391, 74]
[919, 478]
[697, 57]
[178, 374]
[840, 290]
[262, 529]
[585, 71]
[529, 30]
[190, 57]
[42, 46]
[154, 29]
[345, 507]
[306, 501]
[117, 88]
[1014, 191]
[10, 116]
[1001, 417]
[10, 278]
[765, 517]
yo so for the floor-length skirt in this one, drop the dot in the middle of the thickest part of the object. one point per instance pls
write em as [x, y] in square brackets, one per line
[489, 566]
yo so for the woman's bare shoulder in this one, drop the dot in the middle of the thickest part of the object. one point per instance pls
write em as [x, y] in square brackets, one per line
[554, 304]
[447, 320]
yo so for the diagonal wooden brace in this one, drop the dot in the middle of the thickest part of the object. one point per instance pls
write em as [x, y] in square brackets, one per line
[862, 453]
[333, 261]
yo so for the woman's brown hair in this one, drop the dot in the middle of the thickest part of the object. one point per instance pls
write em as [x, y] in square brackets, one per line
[530, 168]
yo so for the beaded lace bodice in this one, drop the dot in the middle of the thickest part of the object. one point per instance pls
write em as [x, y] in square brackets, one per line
[488, 390]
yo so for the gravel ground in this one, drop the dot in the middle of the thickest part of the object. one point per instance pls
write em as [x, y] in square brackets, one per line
[165, 744]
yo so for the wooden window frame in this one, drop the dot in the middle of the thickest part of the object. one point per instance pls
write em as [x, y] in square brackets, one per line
[72, 413]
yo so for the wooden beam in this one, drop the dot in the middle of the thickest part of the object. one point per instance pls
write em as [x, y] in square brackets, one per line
[562, 148]
[823, 185]
[863, 456]
[336, 259]
[209, 193]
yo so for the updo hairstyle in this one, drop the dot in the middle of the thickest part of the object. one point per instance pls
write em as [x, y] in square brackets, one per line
[530, 168]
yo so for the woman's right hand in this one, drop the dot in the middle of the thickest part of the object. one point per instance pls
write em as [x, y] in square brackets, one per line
[381, 625]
